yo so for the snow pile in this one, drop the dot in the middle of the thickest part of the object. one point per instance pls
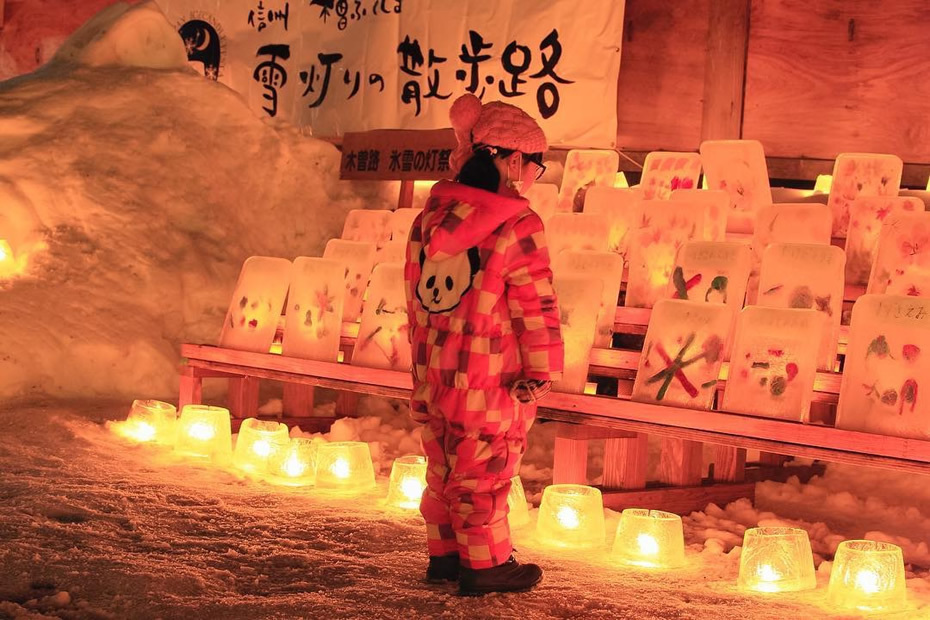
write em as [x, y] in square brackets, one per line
[135, 194]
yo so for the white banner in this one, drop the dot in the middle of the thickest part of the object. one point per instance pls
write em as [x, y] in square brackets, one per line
[356, 65]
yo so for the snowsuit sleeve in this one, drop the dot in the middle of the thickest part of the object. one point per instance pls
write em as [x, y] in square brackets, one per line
[458, 226]
[534, 309]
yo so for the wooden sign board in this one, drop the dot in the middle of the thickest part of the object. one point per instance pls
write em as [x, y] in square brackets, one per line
[397, 155]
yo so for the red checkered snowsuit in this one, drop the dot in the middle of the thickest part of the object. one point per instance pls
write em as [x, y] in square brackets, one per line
[482, 315]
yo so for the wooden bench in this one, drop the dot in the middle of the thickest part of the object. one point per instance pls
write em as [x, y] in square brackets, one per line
[616, 419]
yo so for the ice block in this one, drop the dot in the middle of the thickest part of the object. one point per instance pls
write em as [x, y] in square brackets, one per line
[252, 317]
[716, 204]
[576, 231]
[372, 225]
[902, 263]
[665, 227]
[608, 268]
[401, 222]
[585, 168]
[623, 210]
[866, 216]
[314, 309]
[738, 167]
[665, 172]
[357, 259]
[711, 271]
[774, 363]
[382, 335]
[579, 301]
[806, 275]
[544, 199]
[885, 365]
[683, 350]
[861, 174]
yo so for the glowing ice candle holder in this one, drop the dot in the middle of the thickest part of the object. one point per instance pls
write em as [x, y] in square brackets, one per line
[868, 576]
[345, 466]
[408, 481]
[776, 559]
[620, 180]
[295, 465]
[519, 514]
[150, 421]
[204, 432]
[650, 538]
[257, 444]
[571, 515]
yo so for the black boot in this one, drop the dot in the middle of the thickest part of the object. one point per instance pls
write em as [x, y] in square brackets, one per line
[511, 576]
[442, 568]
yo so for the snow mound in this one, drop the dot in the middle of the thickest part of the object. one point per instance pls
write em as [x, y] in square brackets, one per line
[137, 36]
[132, 196]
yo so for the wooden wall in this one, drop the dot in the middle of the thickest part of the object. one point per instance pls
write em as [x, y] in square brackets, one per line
[808, 78]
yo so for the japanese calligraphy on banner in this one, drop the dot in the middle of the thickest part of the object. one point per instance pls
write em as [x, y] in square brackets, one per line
[342, 66]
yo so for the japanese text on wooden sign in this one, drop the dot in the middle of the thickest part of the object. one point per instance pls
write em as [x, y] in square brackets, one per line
[397, 155]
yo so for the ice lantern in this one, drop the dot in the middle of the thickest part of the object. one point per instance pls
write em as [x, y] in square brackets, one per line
[868, 576]
[571, 515]
[295, 465]
[650, 538]
[258, 442]
[776, 559]
[344, 466]
[408, 481]
[150, 420]
[204, 432]
[519, 514]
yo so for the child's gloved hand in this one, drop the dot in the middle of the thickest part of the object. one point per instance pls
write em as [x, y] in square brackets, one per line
[529, 390]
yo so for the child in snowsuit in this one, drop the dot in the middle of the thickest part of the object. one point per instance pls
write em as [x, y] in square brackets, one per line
[484, 329]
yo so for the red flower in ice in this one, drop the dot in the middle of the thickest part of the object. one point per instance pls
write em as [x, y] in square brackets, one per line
[913, 291]
[791, 369]
[910, 352]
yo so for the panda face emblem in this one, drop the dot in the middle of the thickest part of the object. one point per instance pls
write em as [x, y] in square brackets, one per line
[443, 283]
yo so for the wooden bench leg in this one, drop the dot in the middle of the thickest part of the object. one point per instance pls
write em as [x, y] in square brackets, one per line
[347, 404]
[298, 400]
[729, 464]
[242, 399]
[570, 458]
[625, 462]
[681, 462]
[191, 388]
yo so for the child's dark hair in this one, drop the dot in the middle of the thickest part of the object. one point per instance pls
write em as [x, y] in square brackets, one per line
[480, 172]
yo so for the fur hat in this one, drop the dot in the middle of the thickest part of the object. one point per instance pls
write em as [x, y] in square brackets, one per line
[495, 124]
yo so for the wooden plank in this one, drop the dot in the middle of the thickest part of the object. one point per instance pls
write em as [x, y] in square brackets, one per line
[725, 69]
[740, 431]
[679, 500]
[337, 372]
[298, 400]
[190, 389]
[582, 431]
[661, 82]
[625, 462]
[729, 464]
[681, 462]
[405, 199]
[829, 77]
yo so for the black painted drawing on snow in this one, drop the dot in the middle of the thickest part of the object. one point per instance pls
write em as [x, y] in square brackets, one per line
[203, 46]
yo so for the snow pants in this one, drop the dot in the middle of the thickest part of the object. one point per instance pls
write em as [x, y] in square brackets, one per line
[474, 440]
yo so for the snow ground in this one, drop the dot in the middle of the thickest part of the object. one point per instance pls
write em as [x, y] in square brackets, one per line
[92, 527]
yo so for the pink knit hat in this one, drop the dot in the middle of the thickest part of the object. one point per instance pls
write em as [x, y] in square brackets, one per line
[495, 124]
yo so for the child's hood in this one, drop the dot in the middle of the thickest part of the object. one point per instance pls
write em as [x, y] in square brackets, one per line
[459, 217]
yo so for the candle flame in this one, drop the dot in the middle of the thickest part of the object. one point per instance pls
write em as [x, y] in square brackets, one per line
[868, 581]
[293, 467]
[568, 517]
[262, 448]
[340, 468]
[412, 487]
[648, 545]
[201, 431]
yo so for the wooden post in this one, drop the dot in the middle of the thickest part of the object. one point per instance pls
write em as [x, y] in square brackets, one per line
[725, 69]
[298, 400]
[729, 464]
[2, 2]
[625, 462]
[405, 199]
[191, 385]
[570, 458]
[347, 404]
[681, 462]
[242, 398]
